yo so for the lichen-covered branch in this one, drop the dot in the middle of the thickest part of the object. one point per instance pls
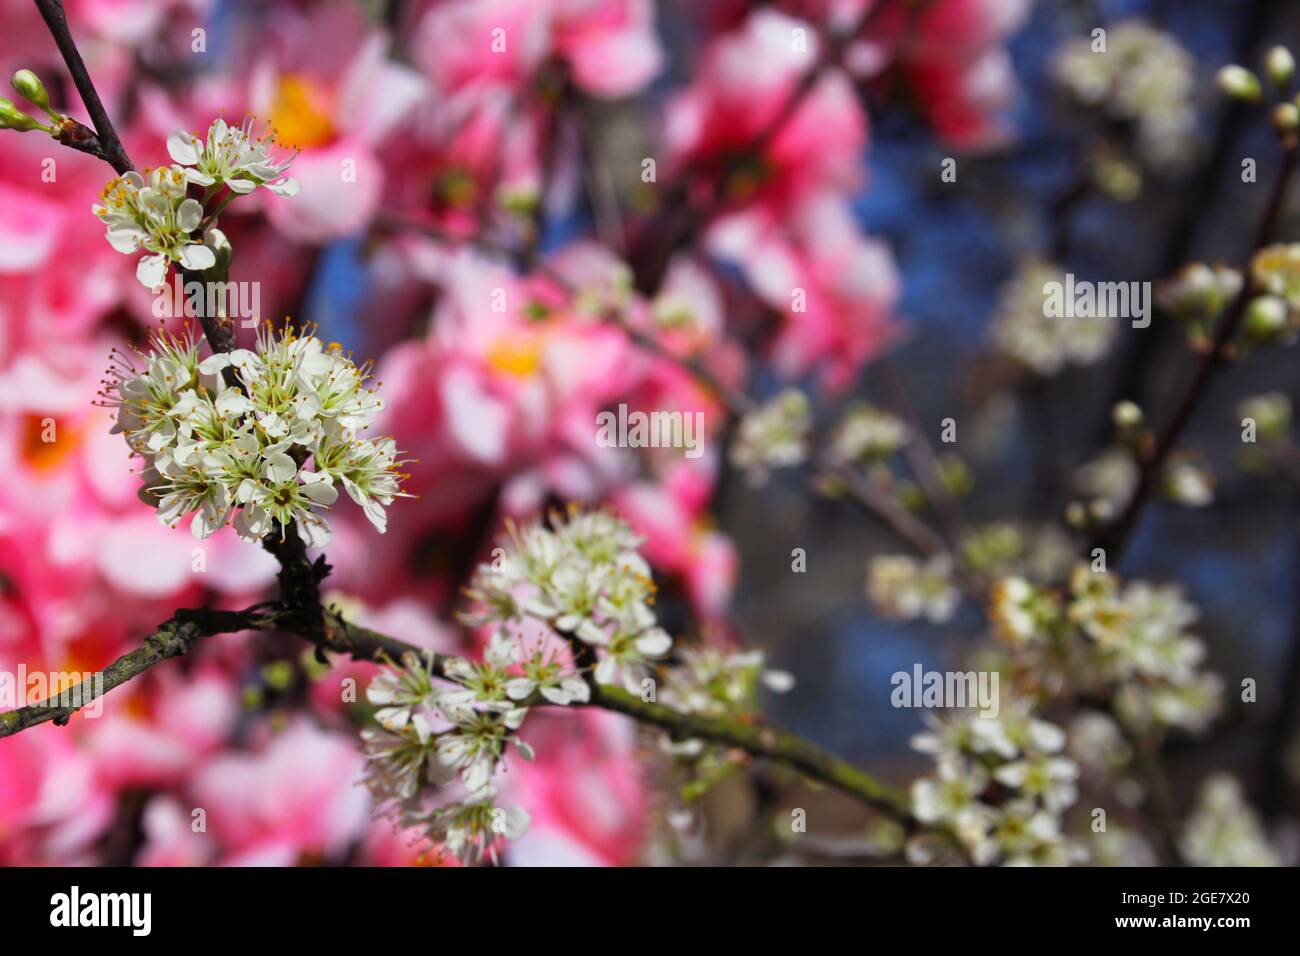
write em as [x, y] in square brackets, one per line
[184, 629]
[173, 638]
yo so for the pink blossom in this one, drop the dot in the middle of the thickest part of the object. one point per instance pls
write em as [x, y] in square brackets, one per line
[835, 287]
[329, 89]
[296, 795]
[583, 792]
[729, 106]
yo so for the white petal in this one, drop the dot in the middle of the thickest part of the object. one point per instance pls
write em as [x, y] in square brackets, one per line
[280, 467]
[152, 271]
[520, 687]
[233, 402]
[286, 187]
[318, 490]
[516, 822]
[777, 681]
[183, 148]
[214, 363]
[125, 240]
[478, 774]
[654, 643]
[197, 258]
[189, 215]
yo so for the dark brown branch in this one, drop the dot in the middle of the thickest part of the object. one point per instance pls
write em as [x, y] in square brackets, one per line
[1114, 537]
[105, 144]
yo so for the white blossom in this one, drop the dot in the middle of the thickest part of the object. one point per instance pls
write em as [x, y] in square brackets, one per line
[153, 213]
[260, 451]
[775, 435]
[234, 156]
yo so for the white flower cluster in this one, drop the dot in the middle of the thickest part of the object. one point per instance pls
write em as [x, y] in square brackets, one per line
[153, 211]
[867, 434]
[1223, 829]
[1142, 76]
[1103, 637]
[714, 683]
[775, 435]
[584, 580]
[1001, 785]
[1199, 293]
[234, 156]
[905, 588]
[258, 438]
[1022, 330]
[450, 733]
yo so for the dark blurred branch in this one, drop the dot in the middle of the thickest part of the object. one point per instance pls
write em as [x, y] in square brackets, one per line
[1133, 382]
[1272, 773]
[1114, 537]
[921, 458]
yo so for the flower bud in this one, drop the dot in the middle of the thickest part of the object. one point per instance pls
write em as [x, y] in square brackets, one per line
[1271, 413]
[1281, 66]
[1286, 117]
[1266, 317]
[13, 118]
[1240, 83]
[1126, 416]
[29, 86]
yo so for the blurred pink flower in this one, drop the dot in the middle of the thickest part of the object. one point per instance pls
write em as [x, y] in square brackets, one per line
[158, 737]
[835, 287]
[583, 792]
[52, 806]
[951, 54]
[609, 45]
[171, 837]
[327, 87]
[296, 796]
[729, 106]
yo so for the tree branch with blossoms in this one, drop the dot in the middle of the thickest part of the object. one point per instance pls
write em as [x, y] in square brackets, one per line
[225, 440]
[268, 438]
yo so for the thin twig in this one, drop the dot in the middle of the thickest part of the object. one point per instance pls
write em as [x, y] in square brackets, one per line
[921, 457]
[1114, 537]
[110, 147]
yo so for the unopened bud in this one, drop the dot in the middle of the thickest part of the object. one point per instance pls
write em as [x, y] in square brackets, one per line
[1266, 316]
[29, 86]
[1240, 83]
[11, 117]
[1281, 66]
[1286, 117]
[1126, 416]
